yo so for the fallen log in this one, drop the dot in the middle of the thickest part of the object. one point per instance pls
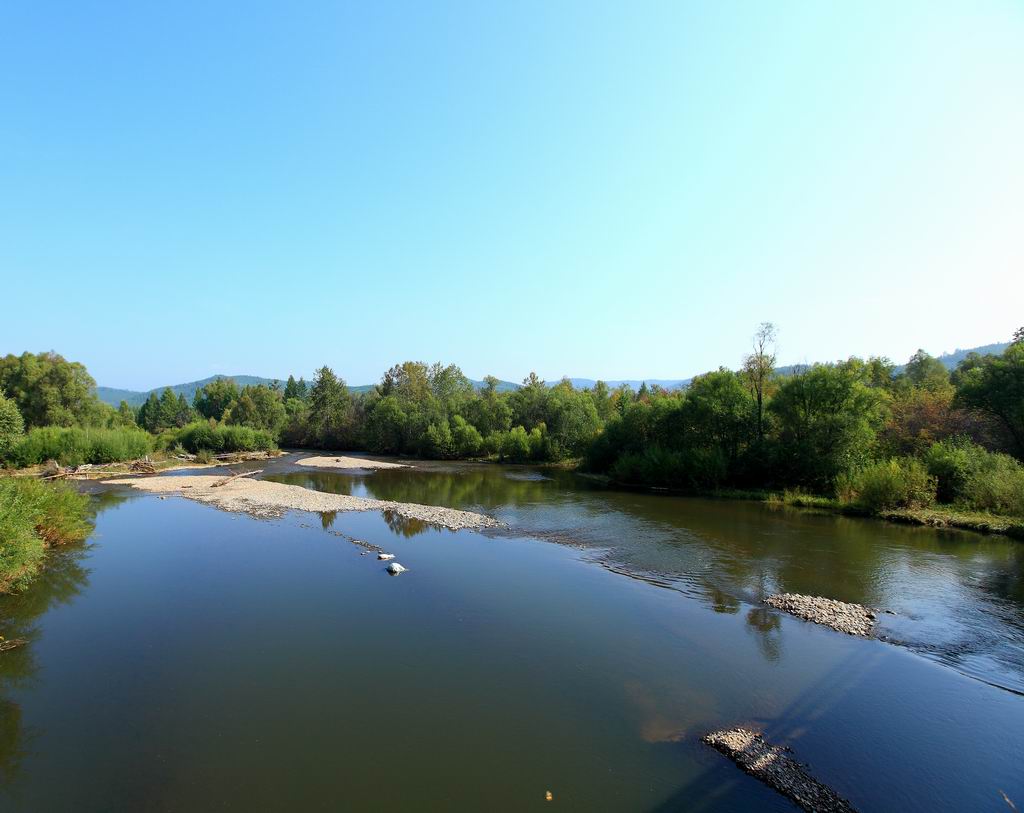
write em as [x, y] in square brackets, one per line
[227, 480]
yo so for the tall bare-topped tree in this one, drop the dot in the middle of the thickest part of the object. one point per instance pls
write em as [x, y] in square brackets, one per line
[759, 366]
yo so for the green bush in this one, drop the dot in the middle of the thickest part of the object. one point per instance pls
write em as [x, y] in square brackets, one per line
[11, 425]
[888, 484]
[74, 446]
[976, 478]
[466, 437]
[202, 436]
[997, 486]
[34, 514]
[953, 463]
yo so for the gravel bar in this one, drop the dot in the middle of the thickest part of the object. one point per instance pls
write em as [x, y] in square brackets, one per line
[853, 619]
[775, 768]
[342, 462]
[263, 498]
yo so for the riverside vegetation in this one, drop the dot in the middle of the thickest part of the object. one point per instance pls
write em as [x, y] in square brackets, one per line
[920, 444]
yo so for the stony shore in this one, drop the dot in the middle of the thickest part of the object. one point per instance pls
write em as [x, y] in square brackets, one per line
[771, 764]
[853, 619]
[263, 498]
[342, 462]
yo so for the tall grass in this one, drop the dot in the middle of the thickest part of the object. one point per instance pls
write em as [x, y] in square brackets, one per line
[201, 436]
[33, 515]
[75, 445]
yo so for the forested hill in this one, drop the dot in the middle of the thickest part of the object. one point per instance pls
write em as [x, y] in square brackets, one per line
[113, 396]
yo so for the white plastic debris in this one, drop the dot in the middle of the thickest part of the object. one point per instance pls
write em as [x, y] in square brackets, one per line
[385, 556]
[394, 568]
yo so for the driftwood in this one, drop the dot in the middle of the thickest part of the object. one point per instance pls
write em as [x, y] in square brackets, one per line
[11, 643]
[227, 480]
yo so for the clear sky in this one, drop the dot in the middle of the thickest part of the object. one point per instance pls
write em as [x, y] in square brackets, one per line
[616, 190]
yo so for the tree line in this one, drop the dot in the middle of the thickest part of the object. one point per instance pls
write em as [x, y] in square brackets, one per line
[842, 427]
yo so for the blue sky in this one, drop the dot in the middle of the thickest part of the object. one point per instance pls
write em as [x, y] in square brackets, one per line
[601, 190]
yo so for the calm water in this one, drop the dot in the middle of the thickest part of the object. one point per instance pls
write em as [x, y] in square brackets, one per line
[189, 659]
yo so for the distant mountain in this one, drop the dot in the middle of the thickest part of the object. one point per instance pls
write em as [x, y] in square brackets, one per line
[633, 383]
[958, 355]
[113, 396]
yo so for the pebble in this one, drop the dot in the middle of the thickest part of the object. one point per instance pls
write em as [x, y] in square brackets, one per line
[385, 556]
[853, 619]
[771, 764]
[394, 568]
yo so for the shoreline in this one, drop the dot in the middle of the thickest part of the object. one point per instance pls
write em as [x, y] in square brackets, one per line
[267, 499]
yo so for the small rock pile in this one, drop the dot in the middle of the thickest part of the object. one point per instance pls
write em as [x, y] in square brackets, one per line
[775, 768]
[853, 619]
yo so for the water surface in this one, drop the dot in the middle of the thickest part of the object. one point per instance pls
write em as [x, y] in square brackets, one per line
[191, 659]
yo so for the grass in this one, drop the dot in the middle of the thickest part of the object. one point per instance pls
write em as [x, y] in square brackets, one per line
[74, 446]
[33, 516]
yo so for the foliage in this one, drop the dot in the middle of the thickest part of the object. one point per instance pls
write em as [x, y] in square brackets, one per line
[213, 400]
[203, 435]
[331, 416]
[887, 484]
[49, 390]
[74, 446]
[827, 418]
[34, 514]
[12, 427]
[260, 407]
[994, 385]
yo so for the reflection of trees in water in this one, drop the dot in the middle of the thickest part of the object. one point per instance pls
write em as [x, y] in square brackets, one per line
[327, 519]
[406, 526]
[768, 626]
[59, 582]
[483, 486]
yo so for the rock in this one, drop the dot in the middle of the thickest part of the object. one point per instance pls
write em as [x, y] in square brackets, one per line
[852, 619]
[394, 568]
[385, 556]
[775, 768]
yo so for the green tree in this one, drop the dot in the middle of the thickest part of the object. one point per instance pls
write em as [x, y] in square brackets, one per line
[827, 420]
[467, 439]
[994, 385]
[758, 368]
[149, 414]
[11, 424]
[927, 372]
[330, 411]
[386, 425]
[295, 389]
[213, 400]
[260, 407]
[48, 390]
[125, 414]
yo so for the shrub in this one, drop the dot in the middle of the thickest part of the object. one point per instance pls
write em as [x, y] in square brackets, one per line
[203, 436]
[34, 514]
[515, 445]
[997, 485]
[466, 437]
[75, 446]
[888, 484]
[437, 441]
[11, 425]
[976, 478]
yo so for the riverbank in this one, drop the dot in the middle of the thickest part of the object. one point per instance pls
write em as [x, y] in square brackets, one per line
[33, 516]
[263, 498]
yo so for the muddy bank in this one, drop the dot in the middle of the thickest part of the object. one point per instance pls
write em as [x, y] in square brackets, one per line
[266, 499]
[853, 619]
[342, 462]
[771, 764]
